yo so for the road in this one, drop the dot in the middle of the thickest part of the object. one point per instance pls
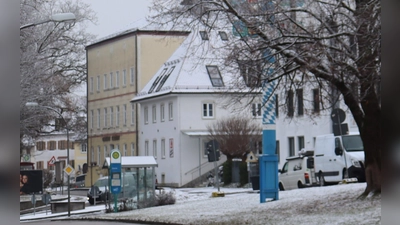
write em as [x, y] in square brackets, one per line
[77, 222]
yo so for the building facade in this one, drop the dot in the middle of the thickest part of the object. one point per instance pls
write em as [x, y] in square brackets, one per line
[117, 67]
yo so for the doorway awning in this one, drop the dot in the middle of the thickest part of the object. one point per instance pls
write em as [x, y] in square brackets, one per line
[134, 161]
[196, 133]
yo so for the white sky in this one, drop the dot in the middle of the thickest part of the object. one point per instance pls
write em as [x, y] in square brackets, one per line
[336, 204]
[116, 15]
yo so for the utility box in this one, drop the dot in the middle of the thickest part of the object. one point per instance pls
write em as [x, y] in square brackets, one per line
[269, 179]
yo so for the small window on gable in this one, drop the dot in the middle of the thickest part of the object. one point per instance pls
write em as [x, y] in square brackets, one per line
[223, 35]
[204, 35]
[215, 76]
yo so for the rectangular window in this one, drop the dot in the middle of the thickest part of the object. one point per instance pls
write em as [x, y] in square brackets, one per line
[204, 35]
[146, 115]
[250, 70]
[223, 35]
[162, 113]
[208, 110]
[276, 106]
[163, 148]
[125, 150]
[277, 150]
[91, 85]
[91, 155]
[52, 145]
[98, 155]
[215, 76]
[117, 79]
[146, 148]
[170, 111]
[40, 145]
[291, 146]
[154, 114]
[111, 116]
[98, 83]
[105, 117]
[111, 80]
[300, 106]
[124, 115]
[290, 103]
[124, 78]
[300, 141]
[316, 101]
[62, 144]
[105, 81]
[132, 76]
[117, 116]
[83, 148]
[39, 165]
[105, 152]
[91, 119]
[256, 109]
[132, 149]
[98, 118]
[155, 148]
[132, 114]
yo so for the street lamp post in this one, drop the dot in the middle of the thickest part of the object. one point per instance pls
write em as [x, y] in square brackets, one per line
[35, 104]
[60, 17]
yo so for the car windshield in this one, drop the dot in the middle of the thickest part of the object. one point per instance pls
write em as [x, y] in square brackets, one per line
[101, 183]
[352, 143]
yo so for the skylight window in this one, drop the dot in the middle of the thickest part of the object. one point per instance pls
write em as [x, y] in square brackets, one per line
[158, 79]
[204, 35]
[165, 77]
[223, 35]
[215, 76]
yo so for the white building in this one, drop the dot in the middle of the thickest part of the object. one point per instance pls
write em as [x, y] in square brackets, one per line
[178, 103]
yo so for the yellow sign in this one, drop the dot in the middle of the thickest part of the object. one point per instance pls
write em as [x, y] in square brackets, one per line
[68, 169]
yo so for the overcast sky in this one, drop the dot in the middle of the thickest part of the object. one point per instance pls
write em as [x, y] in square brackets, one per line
[116, 15]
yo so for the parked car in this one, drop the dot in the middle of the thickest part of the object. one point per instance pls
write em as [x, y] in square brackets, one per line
[80, 181]
[100, 189]
[297, 172]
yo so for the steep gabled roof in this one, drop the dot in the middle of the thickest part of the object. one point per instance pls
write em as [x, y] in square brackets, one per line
[195, 67]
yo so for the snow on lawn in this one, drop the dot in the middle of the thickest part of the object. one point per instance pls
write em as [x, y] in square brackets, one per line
[336, 204]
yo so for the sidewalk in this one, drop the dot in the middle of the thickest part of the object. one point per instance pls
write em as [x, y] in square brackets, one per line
[42, 214]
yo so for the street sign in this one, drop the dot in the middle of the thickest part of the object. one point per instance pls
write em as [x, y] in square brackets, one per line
[68, 170]
[52, 161]
[115, 171]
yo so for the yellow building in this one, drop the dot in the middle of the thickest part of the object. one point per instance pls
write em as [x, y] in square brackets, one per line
[118, 67]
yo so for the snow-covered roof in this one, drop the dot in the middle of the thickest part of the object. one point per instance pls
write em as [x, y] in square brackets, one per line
[197, 66]
[134, 161]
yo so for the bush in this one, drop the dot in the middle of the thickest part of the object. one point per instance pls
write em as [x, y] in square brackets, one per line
[165, 198]
[227, 168]
[244, 174]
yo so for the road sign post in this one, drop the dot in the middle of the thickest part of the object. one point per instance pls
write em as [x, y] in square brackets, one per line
[115, 175]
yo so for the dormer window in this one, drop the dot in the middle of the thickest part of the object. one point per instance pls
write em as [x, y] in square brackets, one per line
[204, 35]
[215, 76]
[223, 35]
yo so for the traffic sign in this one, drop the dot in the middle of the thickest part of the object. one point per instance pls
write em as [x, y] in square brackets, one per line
[68, 170]
[52, 161]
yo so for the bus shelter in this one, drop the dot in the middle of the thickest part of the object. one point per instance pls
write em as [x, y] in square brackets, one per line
[137, 179]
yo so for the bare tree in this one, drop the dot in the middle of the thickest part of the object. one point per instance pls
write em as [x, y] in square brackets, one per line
[333, 45]
[52, 61]
[236, 136]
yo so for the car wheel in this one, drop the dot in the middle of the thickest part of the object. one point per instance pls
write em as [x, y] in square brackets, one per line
[321, 179]
[91, 201]
[300, 185]
[281, 187]
[345, 174]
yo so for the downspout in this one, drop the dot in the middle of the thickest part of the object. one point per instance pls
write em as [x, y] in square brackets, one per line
[89, 150]
[136, 90]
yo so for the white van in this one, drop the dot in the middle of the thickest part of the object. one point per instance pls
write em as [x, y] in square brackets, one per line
[297, 172]
[338, 158]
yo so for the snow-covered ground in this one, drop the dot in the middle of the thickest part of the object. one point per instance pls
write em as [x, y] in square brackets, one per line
[337, 204]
